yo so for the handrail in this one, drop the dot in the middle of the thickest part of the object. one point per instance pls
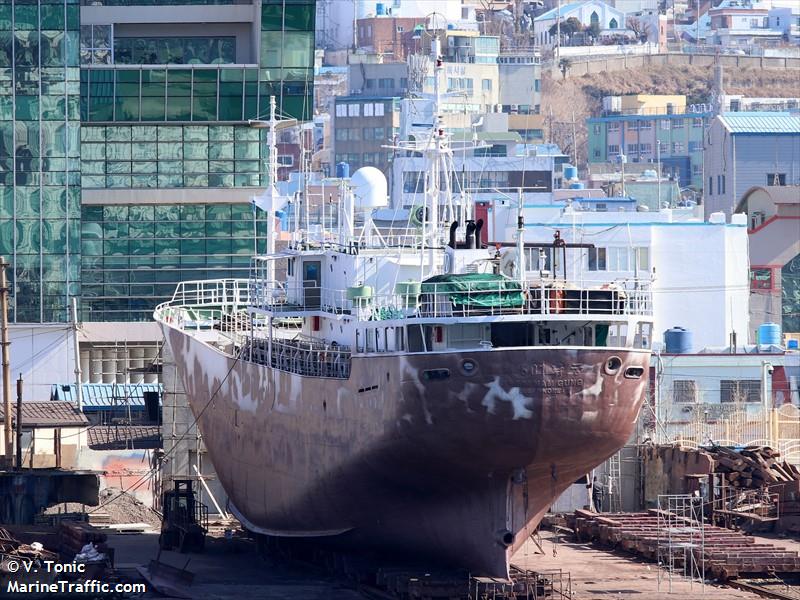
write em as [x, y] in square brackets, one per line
[543, 298]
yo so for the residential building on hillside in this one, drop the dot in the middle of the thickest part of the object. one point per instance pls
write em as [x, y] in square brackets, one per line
[773, 217]
[389, 36]
[651, 129]
[742, 23]
[362, 126]
[749, 149]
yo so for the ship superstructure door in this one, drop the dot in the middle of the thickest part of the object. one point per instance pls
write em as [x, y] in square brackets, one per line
[312, 281]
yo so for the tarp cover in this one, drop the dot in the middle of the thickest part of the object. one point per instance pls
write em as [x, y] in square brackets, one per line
[476, 289]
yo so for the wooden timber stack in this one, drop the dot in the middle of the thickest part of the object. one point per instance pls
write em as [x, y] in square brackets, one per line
[752, 467]
[726, 554]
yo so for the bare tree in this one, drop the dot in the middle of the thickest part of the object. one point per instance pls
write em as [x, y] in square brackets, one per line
[639, 27]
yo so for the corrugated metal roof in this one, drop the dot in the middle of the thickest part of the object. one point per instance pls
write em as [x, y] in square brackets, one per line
[99, 396]
[123, 437]
[761, 122]
[48, 414]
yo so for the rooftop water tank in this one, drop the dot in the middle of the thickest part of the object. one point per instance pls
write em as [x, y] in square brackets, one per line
[380, 9]
[769, 334]
[370, 189]
[576, 186]
[570, 172]
[342, 170]
[678, 340]
[792, 345]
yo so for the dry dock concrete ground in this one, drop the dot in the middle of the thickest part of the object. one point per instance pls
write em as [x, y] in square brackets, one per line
[599, 575]
[230, 572]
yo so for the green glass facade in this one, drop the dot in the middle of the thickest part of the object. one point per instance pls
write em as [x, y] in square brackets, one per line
[83, 112]
[134, 256]
[199, 93]
[163, 156]
[39, 155]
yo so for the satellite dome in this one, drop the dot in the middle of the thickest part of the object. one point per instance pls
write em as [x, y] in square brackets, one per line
[370, 189]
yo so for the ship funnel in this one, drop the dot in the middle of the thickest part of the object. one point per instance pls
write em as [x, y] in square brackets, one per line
[470, 239]
[453, 229]
[478, 228]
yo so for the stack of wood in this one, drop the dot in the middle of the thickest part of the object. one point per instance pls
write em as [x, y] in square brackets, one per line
[74, 535]
[752, 467]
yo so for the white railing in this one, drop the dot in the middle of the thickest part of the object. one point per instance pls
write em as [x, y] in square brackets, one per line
[231, 294]
[193, 300]
[470, 299]
[302, 356]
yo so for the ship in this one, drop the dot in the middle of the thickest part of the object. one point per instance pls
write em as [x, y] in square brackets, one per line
[413, 390]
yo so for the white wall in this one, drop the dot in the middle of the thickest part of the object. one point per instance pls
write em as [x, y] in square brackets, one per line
[44, 355]
[701, 279]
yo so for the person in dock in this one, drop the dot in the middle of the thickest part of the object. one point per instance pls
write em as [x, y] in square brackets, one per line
[597, 495]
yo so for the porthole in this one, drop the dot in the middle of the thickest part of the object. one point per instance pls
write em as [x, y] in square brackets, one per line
[469, 367]
[634, 372]
[613, 365]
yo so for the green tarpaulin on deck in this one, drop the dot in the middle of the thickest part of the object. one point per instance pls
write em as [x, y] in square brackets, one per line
[476, 289]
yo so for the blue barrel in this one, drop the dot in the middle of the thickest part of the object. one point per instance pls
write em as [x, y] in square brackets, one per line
[792, 345]
[342, 170]
[380, 10]
[769, 334]
[576, 186]
[678, 340]
[570, 172]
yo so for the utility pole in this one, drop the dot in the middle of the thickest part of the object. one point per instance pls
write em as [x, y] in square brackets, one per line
[19, 424]
[9, 442]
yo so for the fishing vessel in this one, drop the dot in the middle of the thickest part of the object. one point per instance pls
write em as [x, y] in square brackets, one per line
[408, 389]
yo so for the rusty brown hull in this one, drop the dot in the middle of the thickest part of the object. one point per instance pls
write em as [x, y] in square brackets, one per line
[459, 468]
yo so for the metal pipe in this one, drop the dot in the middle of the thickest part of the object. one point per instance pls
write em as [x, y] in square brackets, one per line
[9, 441]
[19, 424]
[78, 374]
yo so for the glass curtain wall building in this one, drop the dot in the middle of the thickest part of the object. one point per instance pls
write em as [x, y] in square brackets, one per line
[39, 156]
[126, 161]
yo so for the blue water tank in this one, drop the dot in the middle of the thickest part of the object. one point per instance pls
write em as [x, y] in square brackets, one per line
[678, 340]
[380, 10]
[769, 334]
[570, 172]
[792, 345]
[342, 170]
[576, 186]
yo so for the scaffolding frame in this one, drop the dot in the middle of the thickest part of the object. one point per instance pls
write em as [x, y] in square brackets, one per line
[681, 539]
[552, 584]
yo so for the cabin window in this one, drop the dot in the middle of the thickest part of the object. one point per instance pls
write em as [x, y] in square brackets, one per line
[512, 334]
[290, 267]
[597, 259]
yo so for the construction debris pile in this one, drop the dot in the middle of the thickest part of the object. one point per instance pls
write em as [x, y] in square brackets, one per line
[116, 507]
[752, 467]
[726, 554]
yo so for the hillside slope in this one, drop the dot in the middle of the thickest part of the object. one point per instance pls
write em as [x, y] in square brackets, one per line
[583, 95]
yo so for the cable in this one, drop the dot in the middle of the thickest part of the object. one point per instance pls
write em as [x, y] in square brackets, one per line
[136, 485]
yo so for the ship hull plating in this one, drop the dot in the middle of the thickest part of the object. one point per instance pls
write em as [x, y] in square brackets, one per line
[415, 453]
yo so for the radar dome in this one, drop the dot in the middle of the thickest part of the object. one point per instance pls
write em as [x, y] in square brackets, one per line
[370, 189]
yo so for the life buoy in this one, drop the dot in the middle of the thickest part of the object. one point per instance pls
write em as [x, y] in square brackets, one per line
[557, 302]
